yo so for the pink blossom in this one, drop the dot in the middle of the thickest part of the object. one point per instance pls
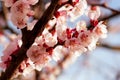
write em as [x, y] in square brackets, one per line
[59, 52]
[61, 20]
[81, 26]
[61, 31]
[20, 22]
[34, 53]
[77, 49]
[39, 40]
[72, 41]
[20, 13]
[51, 23]
[6, 58]
[20, 8]
[75, 2]
[94, 40]
[32, 2]
[9, 3]
[78, 10]
[50, 40]
[38, 56]
[101, 30]
[27, 71]
[10, 49]
[2, 65]
[93, 12]
[85, 38]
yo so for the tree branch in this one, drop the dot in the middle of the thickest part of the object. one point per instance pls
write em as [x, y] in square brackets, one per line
[110, 47]
[28, 39]
[107, 7]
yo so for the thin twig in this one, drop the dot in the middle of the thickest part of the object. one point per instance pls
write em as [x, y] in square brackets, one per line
[107, 7]
[110, 47]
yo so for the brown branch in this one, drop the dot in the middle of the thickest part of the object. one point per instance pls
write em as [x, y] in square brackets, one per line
[28, 39]
[109, 47]
[106, 6]
[14, 64]
[11, 30]
[37, 75]
[109, 17]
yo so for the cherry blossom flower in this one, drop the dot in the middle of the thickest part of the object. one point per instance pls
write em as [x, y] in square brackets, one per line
[34, 53]
[85, 38]
[20, 13]
[9, 3]
[39, 40]
[101, 30]
[51, 23]
[78, 9]
[38, 55]
[50, 40]
[93, 12]
[59, 52]
[32, 2]
[81, 26]
[6, 58]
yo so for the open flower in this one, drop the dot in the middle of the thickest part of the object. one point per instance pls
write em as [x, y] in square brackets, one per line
[9, 3]
[59, 52]
[101, 30]
[32, 2]
[50, 39]
[78, 9]
[93, 12]
[38, 55]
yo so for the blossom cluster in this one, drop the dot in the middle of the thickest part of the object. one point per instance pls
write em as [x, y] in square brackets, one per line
[10, 50]
[21, 12]
[58, 38]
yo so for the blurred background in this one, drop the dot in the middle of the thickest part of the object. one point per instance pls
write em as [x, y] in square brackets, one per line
[103, 63]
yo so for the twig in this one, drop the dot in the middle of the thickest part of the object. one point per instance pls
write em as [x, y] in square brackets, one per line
[106, 6]
[109, 17]
[110, 47]
[37, 75]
